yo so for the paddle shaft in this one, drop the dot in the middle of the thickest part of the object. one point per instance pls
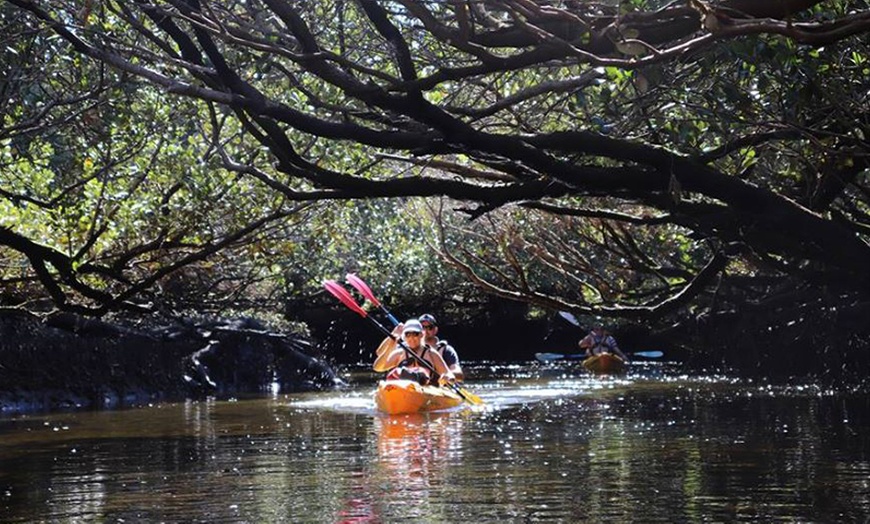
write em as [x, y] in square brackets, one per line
[545, 357]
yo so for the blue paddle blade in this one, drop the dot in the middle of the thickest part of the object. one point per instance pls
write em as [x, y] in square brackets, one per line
[569, 317]
[549, 357]
[648, 354]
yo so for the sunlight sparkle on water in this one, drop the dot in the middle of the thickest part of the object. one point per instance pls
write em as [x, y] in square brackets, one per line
[353, 402]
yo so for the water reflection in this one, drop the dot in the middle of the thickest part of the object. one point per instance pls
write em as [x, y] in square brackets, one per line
[551, 447]
[415, 453]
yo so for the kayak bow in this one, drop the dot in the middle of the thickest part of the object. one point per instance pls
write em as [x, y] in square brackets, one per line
[406, 396]
[604, 363]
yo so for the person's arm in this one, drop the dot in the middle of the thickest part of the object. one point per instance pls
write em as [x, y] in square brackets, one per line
[389, 360]
[586, 344]
[434, 358]
[451, 358]
[614, 348]
[386, 347]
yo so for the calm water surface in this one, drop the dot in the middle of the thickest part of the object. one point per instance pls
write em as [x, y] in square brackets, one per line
[552, 445]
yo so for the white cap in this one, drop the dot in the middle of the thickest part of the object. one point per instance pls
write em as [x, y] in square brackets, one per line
[412, 326]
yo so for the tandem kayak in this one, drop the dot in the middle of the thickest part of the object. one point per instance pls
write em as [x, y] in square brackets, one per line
[406, 396]
[604, 363]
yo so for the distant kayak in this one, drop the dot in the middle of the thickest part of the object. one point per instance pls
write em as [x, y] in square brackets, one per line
[405, 396]
[604, 363]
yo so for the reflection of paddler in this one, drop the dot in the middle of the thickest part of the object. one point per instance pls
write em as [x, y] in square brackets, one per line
[401, 365]
[358, 511]
[416, 446]
[407, 426]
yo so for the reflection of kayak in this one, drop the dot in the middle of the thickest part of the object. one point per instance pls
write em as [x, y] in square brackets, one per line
[604, 363]
[418, 428]
[406, 396]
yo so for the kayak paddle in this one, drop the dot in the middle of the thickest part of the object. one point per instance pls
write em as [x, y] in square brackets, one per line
[569, 317]
[339, 292]
[549, 357]
[366, 292]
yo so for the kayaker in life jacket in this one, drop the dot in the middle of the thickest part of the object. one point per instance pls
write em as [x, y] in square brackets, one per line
[599, 341]
[397, 363]
[447, 352]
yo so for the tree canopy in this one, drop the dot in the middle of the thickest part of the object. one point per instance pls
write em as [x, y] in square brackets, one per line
[625, 157]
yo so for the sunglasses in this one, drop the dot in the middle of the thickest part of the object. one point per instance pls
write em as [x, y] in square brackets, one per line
[413, 334]
[428, 326]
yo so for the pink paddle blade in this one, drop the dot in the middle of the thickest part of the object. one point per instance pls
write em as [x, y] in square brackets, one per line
[363, 288]
[338, 291]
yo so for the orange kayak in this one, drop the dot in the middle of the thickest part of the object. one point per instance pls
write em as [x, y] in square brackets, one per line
[604, 363]
[406, 396]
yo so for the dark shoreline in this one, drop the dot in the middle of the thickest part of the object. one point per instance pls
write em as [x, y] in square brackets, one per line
[64, 361]
[69, 362]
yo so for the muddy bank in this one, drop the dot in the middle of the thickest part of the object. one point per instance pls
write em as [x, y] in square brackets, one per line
[65, 361]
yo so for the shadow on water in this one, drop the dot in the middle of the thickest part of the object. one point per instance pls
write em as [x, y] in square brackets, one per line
[553, 444]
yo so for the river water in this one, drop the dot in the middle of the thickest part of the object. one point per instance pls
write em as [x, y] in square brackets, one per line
[553, 444]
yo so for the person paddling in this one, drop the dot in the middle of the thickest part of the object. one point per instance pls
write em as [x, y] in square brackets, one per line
[599, 341]
[447, 352]
[398, 364]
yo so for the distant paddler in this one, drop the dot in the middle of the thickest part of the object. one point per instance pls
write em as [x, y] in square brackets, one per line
[599, 341]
